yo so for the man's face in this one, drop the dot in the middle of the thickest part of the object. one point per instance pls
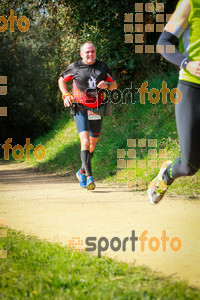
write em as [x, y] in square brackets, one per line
[88, 54]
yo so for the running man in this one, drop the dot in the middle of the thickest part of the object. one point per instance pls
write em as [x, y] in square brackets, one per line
[183, 27]
[90, 77]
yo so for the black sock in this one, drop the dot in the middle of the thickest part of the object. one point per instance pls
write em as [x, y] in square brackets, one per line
[86, 161]
[82, 166]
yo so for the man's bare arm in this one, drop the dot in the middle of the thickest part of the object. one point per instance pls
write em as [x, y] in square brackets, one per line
[63, 88]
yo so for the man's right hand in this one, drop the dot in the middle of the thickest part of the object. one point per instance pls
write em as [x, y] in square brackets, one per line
[67, 100]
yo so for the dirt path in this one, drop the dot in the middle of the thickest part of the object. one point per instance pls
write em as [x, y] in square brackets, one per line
[56, 209]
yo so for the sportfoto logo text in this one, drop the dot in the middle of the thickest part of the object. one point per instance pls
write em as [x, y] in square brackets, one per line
[18, 151]
[133, 243]
[116, 96]
[23, 23]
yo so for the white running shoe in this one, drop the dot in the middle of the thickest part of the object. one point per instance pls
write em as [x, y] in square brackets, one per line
[157, 187]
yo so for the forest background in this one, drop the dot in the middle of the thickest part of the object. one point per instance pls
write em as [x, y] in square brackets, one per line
[33, 60]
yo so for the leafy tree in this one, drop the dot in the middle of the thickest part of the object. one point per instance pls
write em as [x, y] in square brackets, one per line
[34, 59]
[31, 61]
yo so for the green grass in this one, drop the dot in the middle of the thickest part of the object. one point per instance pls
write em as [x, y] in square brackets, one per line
[41, 270]
[128, 121]
[62, 148]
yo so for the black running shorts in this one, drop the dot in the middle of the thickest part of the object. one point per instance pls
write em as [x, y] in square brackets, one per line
[83, 124]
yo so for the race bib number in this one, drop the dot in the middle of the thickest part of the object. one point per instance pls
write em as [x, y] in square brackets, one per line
[93, 116]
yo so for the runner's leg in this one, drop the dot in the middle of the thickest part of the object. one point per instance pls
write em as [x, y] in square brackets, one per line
[85, 153]
[95, 129]
[89, 131]
[82, 124]
[93, 142]
[94, 132]
[188, 126]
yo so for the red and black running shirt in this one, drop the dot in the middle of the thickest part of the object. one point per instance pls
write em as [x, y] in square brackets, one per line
[85, 80]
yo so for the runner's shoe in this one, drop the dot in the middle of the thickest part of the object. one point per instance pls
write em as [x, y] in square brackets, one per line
[82, 178]
[158, 187]
[90, 185]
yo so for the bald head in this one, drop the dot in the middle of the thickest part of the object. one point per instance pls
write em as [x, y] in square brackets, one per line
[86, 43]
[88, 53]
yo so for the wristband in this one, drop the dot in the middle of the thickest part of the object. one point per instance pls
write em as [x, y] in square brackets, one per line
[64, 95]
[185, 62]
